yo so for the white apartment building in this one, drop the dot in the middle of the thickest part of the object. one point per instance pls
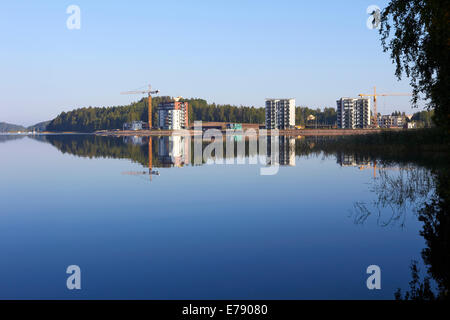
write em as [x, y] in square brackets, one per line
[353, 113]
[170, 119]
[173, 115]
[280, 113]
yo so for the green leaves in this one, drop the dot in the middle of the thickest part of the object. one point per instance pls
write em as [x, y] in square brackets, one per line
[417, 35]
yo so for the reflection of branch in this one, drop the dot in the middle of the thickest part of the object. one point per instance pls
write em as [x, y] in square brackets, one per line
[396, 193]
[364, 213]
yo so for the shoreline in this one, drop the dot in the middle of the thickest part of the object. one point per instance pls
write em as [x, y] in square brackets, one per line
[293, 132]
[146, 133]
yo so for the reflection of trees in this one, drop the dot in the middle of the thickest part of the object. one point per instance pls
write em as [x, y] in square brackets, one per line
[92, 146]
[396, 193]
[6, 138]
[427, 192]
[435, 215]
[418, 290]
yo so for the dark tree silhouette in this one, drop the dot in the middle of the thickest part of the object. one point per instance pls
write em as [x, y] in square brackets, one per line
[417, 34]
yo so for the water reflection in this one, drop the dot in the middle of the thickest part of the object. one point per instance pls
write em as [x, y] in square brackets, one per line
[174, 151]
[8, 137]
[425, 192]
[352, 160]
[435, 216]
[396, 193]
[286, 151]
[401, 183]
[136, 140]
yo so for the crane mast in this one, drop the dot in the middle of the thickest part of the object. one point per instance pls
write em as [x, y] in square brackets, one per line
[149, 92]
[375, 95]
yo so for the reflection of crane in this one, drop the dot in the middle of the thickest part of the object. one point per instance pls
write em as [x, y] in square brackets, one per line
[375, 95]
[374, 166]
[141, 173]
[150, 172]
[370, 166]
[149, 92]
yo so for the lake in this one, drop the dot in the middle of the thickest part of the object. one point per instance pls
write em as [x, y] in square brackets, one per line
[175, 228]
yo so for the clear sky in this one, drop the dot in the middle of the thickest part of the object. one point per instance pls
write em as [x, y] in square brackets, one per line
[237, 52]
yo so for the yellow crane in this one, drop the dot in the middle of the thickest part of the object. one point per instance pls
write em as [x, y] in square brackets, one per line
[149, 92]
[375, 95]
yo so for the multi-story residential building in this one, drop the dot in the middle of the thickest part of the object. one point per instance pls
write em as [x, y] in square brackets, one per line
[363, 113]
[385, 121]
[345, 113]
[399, 121]
[173, 115]
[389, 121]
[353, 113]
[280, 113]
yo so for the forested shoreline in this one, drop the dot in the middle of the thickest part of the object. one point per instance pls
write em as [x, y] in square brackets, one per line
[91, 119]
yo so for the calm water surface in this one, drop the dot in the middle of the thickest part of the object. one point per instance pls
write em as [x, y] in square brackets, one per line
[206, 231]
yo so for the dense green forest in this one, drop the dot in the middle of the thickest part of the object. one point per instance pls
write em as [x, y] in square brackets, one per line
[41, 126]
[91, 119]
[201, 110]
[327, 116]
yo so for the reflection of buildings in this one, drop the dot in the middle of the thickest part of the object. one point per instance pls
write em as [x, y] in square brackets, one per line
[286, 150]
[173, 115]
[173, 151]
[136, 140]
[352, 160]
[363, 162]
[355, 160]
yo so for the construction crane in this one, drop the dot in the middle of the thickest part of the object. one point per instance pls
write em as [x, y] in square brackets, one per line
[149, 92]
[375, 95]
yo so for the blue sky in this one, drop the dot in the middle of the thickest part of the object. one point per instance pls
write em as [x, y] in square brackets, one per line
[237, 52]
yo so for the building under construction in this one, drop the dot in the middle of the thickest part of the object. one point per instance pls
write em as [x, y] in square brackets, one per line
[173, 115]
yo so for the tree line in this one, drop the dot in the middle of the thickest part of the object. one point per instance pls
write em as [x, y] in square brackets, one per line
[91, 119]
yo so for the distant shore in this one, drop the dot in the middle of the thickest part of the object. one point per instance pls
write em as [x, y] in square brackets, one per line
[146, 133]
[293, 132]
